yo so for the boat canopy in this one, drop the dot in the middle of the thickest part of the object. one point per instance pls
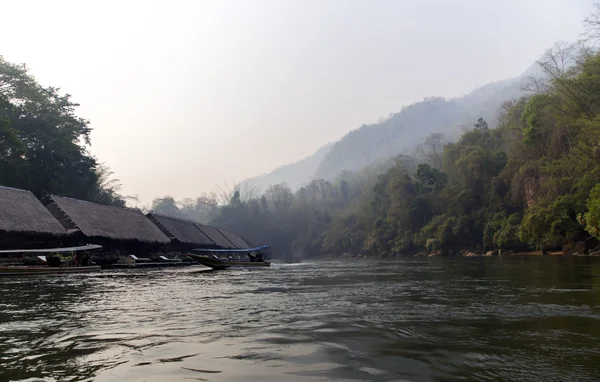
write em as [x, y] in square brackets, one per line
[88, 247]
[233, 250]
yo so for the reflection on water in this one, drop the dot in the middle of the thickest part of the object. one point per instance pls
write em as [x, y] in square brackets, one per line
[528, 319]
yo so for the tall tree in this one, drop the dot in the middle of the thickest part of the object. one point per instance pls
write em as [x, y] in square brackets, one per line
[166, 206]
[43, 144]
[431, 149]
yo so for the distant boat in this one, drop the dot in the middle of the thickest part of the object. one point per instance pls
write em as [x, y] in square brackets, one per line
[48, 264]
[224, 258]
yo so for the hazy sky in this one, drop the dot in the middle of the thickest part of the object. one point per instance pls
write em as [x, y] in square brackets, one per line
[184, 96]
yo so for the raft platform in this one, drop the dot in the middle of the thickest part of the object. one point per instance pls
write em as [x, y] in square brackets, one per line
[24, 270]
[158, 264]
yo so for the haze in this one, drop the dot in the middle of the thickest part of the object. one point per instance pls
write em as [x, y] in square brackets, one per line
[185, 96]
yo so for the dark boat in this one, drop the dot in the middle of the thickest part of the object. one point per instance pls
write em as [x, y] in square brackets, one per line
[48, 261]
[230, 258]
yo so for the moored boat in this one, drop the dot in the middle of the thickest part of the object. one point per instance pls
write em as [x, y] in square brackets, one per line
[231, 258]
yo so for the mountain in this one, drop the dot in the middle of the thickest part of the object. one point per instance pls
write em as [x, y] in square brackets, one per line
[400, 133]
[295, 174]
[403, 131]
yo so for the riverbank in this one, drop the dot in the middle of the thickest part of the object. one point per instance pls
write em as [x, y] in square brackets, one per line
[462, 253]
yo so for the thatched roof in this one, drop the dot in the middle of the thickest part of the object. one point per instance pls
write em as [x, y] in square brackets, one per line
[216, 236]
[21, 211]
[234, 239]
[181, 230]
[98, 220]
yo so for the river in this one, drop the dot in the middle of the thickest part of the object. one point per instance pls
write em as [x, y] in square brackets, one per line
[435, 319]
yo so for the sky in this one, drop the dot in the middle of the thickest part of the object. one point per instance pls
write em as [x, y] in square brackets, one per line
[189, 96]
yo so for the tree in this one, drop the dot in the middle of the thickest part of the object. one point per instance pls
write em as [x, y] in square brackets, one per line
[592, 216]
[43, 144]
[481, 124]
[432, 148]
[202, 209]
[280, 198]
[11, 148]
[107, 189]
[166, 206]
[591, 33]
[344, 192]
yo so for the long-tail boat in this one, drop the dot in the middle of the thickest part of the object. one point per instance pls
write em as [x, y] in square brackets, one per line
[230, 258]
[48, 261]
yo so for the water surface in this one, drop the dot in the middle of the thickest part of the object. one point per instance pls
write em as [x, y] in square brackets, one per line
[485, 319]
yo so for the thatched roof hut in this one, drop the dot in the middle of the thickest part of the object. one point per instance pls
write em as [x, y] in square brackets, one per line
[215, 235]
[105, 222]
[182, 231]
[236, 240]
[22, 212]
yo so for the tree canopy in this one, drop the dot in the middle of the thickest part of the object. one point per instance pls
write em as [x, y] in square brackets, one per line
[43, 143]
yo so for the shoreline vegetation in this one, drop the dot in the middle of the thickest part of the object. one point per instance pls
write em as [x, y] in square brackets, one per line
[463, 253]
[528, 184]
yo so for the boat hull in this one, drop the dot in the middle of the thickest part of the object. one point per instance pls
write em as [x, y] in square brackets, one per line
[225, 264]
[44, 270]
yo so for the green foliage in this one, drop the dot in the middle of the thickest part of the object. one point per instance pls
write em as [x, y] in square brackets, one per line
[43, 144]
[592, 216]
[547, 224]
[502, 230]
[532, 182]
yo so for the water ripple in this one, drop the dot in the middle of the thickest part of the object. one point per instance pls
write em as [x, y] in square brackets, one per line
[484, 319]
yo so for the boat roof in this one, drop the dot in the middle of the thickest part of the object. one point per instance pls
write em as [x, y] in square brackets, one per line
[88, 247]
[232, 250]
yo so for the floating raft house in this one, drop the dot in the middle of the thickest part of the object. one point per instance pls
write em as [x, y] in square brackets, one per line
[237, 241]
[24, 222]
[27, 223]
[182, 233]
[110, 226]
[215, 235]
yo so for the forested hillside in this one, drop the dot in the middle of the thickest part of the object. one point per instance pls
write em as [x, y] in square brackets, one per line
[533, 182]
[401, 132]
[398, 133]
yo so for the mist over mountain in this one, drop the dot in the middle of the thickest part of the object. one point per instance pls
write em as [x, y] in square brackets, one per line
[295, 174]
[399, 133]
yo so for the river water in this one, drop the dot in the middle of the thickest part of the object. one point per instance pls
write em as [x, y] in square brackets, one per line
[437, 319]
